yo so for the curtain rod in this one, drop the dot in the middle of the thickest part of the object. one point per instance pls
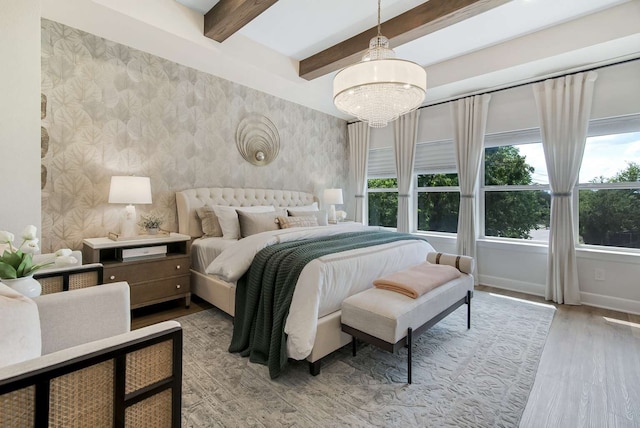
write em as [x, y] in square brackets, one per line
[517, 85]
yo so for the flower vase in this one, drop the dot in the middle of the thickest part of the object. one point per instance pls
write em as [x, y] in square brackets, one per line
[25, 285]
[152, 230]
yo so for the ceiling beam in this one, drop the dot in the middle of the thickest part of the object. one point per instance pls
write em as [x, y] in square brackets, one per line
[426, 18]
[228, 16]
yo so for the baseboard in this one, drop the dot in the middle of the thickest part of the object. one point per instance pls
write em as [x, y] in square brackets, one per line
[512, 285]
[589, 299]
[608, 302]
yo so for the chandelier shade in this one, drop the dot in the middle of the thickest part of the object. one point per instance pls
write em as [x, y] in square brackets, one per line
[380, 88]
[379, 91]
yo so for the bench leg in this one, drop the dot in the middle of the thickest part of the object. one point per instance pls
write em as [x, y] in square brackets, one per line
[353, 345]
[469, 294]
[409, 345]
[314, 368]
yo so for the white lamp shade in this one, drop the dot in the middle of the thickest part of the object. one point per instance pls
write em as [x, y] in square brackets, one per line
[130, 190]
[332, 196]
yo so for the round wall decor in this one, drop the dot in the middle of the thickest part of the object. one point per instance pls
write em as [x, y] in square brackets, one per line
[257, 139]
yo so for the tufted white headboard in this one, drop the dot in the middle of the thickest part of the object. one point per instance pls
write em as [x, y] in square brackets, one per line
[189, 200]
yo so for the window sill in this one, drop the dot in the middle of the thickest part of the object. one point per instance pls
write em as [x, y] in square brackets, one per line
[582, 252]
[521, 245]
[439, 235]
[614, 255]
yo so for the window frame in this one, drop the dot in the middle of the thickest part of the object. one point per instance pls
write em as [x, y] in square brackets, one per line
[380, 190]
[481, 189]
[629, 185]
[434, 189]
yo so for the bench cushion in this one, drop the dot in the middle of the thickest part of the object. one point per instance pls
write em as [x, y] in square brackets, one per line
[387, 315]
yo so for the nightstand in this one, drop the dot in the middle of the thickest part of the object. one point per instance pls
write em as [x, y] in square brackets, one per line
[153, 278]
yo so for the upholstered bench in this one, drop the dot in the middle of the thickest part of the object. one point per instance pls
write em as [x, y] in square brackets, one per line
[391, 320]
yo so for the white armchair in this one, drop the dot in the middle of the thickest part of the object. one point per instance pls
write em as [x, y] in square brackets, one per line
[70, 359]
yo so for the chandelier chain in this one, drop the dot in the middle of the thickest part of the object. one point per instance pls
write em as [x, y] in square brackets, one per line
[379, 32]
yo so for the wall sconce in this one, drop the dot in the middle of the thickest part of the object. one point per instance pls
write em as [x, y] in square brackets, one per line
[129, 190]
[332, 197]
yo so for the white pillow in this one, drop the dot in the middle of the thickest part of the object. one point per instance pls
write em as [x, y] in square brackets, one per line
[20, 336]
[228, 218]
[312, 207]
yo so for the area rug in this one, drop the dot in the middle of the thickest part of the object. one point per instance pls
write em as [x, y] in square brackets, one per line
[461, 378]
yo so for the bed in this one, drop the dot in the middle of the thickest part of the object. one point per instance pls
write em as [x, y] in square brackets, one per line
[333, 277]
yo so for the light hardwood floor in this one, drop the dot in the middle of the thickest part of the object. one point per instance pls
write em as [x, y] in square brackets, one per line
[589, 372]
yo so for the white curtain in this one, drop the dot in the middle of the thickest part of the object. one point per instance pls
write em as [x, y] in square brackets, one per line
[469, 124]
[358, 160]
[405, 135]
[564, 108]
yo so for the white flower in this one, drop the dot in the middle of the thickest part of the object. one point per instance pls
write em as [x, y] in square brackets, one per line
[65, 261]
[6, 236]
[30, 246]
[30, 233]
[63, 252]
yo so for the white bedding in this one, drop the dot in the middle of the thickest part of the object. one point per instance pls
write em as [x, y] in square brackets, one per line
[205, 250]
[325, 282]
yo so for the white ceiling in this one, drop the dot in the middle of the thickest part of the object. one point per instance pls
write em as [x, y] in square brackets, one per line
[518, 41]
[299, 29]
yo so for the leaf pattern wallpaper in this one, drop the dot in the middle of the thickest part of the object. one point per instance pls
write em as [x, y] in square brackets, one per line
[114, 110]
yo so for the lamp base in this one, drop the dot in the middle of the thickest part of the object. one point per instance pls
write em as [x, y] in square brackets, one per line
[128, 226]
[332, 214]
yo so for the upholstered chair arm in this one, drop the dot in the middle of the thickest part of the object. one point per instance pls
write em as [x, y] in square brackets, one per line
[80, 316]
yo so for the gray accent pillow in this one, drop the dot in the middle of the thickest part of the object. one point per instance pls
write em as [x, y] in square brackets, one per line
[209, 220]
[252, 223]
[321, 215]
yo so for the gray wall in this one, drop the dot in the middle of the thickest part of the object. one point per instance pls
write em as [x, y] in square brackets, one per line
[114, 110]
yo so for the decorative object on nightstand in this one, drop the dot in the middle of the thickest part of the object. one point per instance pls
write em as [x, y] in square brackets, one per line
[17, 266]
[129, 190]
[156, 267]
[151, 222]
[332, 197]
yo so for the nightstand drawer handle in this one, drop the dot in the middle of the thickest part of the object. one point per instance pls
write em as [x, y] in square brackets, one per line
[112, 277]
[178, 286]
[178, 267]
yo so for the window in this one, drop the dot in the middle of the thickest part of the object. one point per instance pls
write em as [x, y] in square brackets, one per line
[383, 201]
[438, 202]
[515, 192]
[609, 191]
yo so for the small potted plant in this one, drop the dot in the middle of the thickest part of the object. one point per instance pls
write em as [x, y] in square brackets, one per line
[151, 222]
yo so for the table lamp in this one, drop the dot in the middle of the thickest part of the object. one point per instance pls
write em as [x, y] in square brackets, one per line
[332, 197]
[129, 190]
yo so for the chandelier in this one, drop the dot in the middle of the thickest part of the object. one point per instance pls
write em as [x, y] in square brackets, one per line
[380, 88]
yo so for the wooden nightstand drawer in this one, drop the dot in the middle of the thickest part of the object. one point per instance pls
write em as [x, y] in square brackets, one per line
[157, 291]
[146, 270]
